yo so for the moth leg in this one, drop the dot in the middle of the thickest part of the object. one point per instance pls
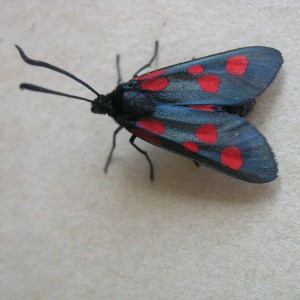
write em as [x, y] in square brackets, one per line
[112, 148]
[196, 163]
[144, 153]
[150, 62]
[118, 69]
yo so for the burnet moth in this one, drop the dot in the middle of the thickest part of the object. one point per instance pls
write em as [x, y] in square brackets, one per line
[195, 109]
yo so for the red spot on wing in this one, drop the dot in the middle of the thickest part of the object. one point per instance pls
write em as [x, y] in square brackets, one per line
[155, 84]
[151, 74]
[195, 69]
[209, 83]
[206, 107]
[146, 136]
[207, 133]
[237, 64]
[152, 125]
[232, 157]
[194, 147]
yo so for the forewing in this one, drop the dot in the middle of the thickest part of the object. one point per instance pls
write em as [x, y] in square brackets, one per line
[225, 142]
[227, 78]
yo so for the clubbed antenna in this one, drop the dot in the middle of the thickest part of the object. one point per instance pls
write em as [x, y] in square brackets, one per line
[36, 88]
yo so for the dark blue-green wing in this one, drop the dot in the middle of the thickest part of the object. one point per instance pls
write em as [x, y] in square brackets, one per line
[228, 78]
[222, 141]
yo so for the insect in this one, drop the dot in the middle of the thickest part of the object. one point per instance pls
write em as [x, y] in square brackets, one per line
[195, 109]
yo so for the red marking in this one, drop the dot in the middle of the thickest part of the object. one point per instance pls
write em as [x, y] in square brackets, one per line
[152, 125]
[206, 107]
[209, 83]
[232, 157]
[194, 147]
[155, 84]
[207, 133]
[237, 64]
[146, 136]
[195, 69]
[151, 74]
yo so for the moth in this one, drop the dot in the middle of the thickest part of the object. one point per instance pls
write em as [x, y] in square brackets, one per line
[195, 109]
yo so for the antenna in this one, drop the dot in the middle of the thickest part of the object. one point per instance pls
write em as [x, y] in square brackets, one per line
[36, 88]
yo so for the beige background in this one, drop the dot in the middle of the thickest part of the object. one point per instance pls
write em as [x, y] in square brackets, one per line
[67, 231]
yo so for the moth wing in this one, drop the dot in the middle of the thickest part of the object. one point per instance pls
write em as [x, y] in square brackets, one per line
[225, 142]
[228, 78]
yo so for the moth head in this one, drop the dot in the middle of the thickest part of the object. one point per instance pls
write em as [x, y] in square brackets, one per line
[101, 105]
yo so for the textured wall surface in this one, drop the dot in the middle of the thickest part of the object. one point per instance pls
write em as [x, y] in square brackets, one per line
[67, 231]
